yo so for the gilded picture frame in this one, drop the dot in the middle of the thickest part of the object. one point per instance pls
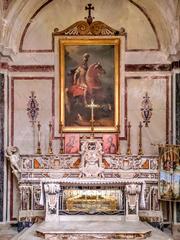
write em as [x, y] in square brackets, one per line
[89, 70]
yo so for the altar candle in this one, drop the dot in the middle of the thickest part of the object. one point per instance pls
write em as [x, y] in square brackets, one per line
[39, 133]
[140, 151]
[129, 139]
[50, 139]
[39, 139]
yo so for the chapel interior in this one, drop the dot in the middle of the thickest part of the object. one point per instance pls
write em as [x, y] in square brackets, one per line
[89, 119]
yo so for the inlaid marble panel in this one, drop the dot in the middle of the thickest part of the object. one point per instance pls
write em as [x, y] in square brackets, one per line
[1, 143]
[178, 108]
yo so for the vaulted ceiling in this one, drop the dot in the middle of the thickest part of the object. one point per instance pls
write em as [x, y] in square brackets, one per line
[149, 22]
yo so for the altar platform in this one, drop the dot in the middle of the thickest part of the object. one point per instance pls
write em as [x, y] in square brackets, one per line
[83, 227]
[92, 227]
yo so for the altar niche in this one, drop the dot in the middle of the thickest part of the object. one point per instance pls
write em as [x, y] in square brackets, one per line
[92, 200]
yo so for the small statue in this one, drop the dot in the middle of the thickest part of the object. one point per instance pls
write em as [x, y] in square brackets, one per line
[12, 153]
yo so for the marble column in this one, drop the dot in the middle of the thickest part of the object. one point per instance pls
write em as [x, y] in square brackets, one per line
[1, 143]
[132, 192]
[178, 108]
[52, 191]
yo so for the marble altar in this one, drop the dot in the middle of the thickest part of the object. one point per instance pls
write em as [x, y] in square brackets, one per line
[45, 179]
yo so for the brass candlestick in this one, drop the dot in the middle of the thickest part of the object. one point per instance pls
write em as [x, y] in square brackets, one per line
[50, 150]
[118, 139]
[140, 151]
[61, 151]
[128, 139]
[39, 139]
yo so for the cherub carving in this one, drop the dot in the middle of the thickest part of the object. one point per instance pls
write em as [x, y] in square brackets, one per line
[12, 153]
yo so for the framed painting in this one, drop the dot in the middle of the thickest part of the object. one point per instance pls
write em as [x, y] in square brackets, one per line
[71, 143]
[89, 71]
[109, 143]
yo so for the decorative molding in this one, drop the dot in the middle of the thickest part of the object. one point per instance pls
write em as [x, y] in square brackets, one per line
[27, 68]
[31, 68]
[96, 28]
[50, 68]
[2, 204]
[3, 65]
[168, 81]
[146, 109]
[147, 67]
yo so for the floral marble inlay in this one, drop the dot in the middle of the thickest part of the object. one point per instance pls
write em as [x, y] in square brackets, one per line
[146, 109]
[32, 108]
[1, 143]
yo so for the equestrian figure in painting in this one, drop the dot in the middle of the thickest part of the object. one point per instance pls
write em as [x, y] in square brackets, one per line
[94, 84]
[86, 85]
[79, 87]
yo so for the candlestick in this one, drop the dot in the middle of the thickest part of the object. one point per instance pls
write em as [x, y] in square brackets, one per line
[128, 139]
[140, 151]
[50, 150]
[61, 138]
[39, 139]
[118, 139]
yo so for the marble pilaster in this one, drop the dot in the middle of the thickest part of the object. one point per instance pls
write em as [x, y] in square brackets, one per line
[1, 143]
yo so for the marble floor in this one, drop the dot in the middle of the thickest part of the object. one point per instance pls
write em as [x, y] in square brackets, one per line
[7, 231]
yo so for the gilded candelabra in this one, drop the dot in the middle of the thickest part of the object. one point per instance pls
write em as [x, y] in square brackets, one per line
[61, 151]
[128, 139]
[50, 150]
[39, 139]
[118, 139]
[140, 150]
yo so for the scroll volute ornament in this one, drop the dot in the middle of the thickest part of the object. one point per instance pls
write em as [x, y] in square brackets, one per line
[96, 28]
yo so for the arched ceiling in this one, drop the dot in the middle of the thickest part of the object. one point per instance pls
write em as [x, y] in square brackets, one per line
[160, 14]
